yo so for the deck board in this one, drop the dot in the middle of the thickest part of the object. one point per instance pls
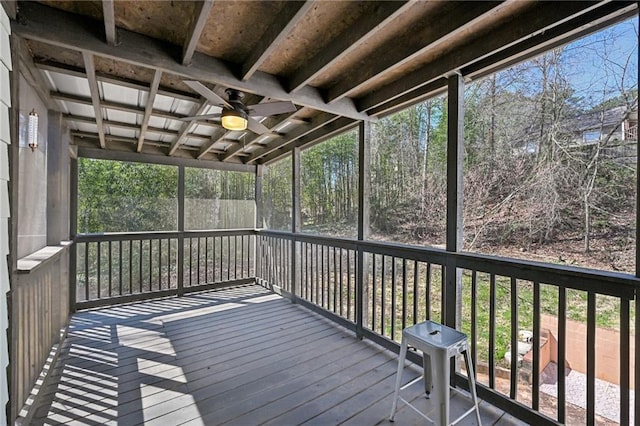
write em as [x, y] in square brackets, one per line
[237, 356]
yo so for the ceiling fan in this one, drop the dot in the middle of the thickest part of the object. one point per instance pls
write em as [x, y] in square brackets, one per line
[235, 114]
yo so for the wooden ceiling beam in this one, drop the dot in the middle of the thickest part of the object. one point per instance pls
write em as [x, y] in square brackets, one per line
[109, 22]
[207, 146]
[186, 160]
[59, 28]
[186, 127]
[115, 80]
[286, 20]
[396, 56]
[334, 128]
[317, 122]
[538, 20]
[95, 95]
[198, 22]
[81, 100]
[128, 126]
[153, 90]
[349, 41]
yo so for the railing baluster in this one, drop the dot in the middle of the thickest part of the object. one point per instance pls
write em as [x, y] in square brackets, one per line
[140, 266]
[393, 298]
[235, 257]
[427, 294]
[169, 245]
[99, 293]
[474, 319]
[159, 263]
[86, 270]
[190, 260]
[535, 398]
[591, 358]
[228, 258]
[110, 264]
[349, 284]
[624, 361]
[130, 266]
[198, 261]
[242, 270]
[404, 293]
[374, 289]
[415, 291]
[206, 260]
[383, 297]
[150, 265]
[513, 388]
[562, 353]
[341, 284]
[492, 331]
[120, 268]
[335, 280]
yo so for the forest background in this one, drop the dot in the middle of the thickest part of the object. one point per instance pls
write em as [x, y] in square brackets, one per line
[549, 170]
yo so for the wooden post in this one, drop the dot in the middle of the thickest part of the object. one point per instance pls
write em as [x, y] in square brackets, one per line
[296, 218]
[180, 230]
[364, 191]
[455, 156]
[259, 224]
[73, 230]
[54, 178]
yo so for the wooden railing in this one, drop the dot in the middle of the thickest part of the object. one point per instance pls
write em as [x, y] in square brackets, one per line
[489, 298]
[39, 306]
[122, 267]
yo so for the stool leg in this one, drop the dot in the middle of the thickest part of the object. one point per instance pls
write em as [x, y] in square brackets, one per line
[472, 385]
[427, 374]
[401, 358]
[441, 388]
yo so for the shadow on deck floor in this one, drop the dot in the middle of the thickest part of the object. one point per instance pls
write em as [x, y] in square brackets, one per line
[237, 356]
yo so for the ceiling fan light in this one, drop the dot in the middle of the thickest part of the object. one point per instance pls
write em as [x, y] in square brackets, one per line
[233, 120]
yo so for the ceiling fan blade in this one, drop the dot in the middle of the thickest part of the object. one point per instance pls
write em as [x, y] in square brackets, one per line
[271, 108]
[207, 93]
[256, 127]
[200, 117]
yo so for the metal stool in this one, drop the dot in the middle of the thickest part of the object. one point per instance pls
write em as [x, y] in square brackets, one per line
[439, 344]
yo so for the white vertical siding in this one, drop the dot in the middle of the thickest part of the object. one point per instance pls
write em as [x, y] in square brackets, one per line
[5, 141]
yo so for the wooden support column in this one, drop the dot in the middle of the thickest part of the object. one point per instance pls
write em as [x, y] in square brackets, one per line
[73, 230]
[455, 156]
[364, 191]
[180, 230]
[55, 175]
[259, 223]
[296, 217]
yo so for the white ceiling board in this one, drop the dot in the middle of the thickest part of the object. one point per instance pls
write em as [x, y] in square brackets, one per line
[125, 95]
[79, 109]
[69, 84]
[166, 103]
[123, 116]
[126, 133]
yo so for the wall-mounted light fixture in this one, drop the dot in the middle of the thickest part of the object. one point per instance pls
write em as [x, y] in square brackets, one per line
[32, 131]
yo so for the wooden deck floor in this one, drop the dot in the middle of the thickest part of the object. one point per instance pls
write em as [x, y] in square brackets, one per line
[238, 356]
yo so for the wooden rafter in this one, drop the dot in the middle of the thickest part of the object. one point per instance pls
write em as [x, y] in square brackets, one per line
[82, 100]
[95, 95]
[349, 41]
[317, 122]
[206, 147]
[128, 126]
[153, 90]
[287, 19]
[397, 56]
[539, 19]
[117, 81]
[54, 27]
[321, 134]
[109, 22]
[195, 30]
[186, 127]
